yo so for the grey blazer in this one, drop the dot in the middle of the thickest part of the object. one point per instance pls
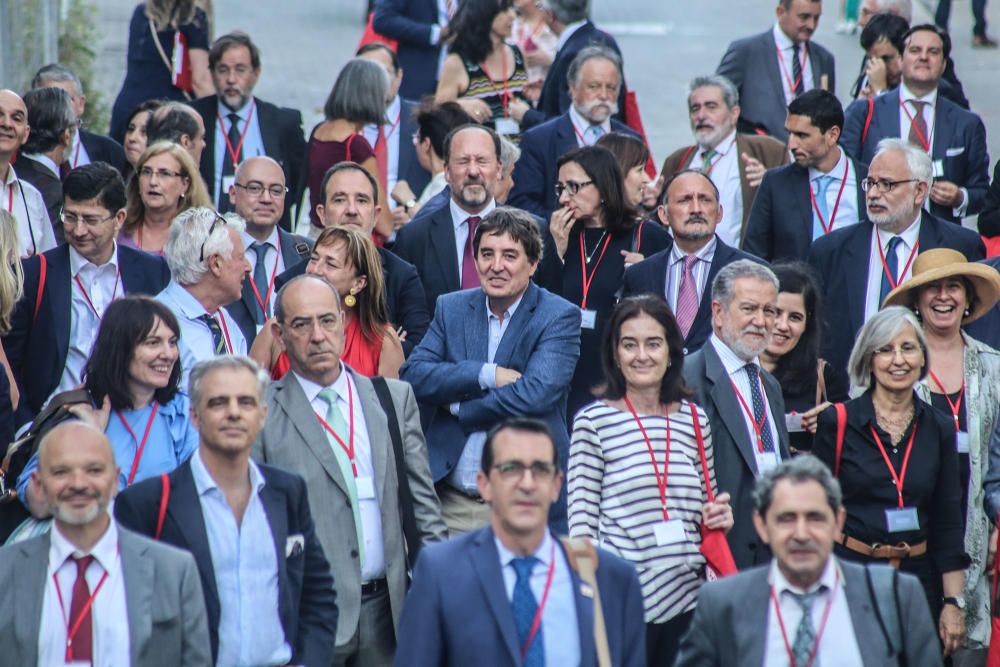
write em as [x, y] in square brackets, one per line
[293, 439]
[729, 627]
[166, 608]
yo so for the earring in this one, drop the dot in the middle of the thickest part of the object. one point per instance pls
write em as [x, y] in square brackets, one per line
[967, 311]
[350, 300]
[182, 196]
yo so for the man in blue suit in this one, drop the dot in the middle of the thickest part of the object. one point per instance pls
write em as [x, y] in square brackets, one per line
[505, 349]
[954, 137]
[474, 599]
[67, 288]
[420, 27]
[858, 265]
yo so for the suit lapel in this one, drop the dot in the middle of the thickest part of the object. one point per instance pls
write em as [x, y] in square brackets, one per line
[885, 123]
[139, 575]
[803, 198]
[442, 238]
[378, 437]
[565, 135]
[184, 509]
[518, 323]
[859, 175]
[486, 563]
[27, 600]
[407, 128]
[729, 409]
[752, 637]
[855, 262]
[944, 124]
[276, 510]
[584, 613]
[773, 390]
[773, 73]
[864, 620]
[59, 284]
[477, 327]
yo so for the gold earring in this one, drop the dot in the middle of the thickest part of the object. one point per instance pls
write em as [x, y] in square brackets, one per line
[349, 299]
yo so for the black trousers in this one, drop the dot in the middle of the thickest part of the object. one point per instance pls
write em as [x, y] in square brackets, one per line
[663, 640]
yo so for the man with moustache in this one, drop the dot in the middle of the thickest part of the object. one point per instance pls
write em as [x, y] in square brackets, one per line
[735, 162]
[857, 266]
[743, 402]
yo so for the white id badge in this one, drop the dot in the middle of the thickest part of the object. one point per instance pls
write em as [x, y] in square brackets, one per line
[793, 422]
[962, 442]
[588, 319]
[227, 182]
[506, 126]
[669, 532]
[366, 487]
[938, 169]
[902, 519]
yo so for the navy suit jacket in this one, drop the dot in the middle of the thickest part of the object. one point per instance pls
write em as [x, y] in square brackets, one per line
[542, 342]
[780, 226]
[840, 260]
[409, 22]
[37, 347]
[987, 327]
[48, 184]
[104, 149]
[307, 599]
[535, 172]
[650, 277]
[409, 168]
[959, 142]
[458, 612]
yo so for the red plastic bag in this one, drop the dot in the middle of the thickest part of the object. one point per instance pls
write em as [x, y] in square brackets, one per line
[993, 657]
[634, 120]
[714, 547]
[992, 246]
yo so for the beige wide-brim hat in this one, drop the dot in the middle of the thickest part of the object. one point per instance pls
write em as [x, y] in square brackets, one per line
[943, 263]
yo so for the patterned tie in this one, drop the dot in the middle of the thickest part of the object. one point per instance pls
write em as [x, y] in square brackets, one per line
[217, 339]
[228, 168]
[805, 635]
[892, 263]
[82, 641]
[335, 420]
[470, 278]
[687, 296]
[918, 126]
[260, 277]
[706, 159]
[525, 607]
[822, 185]
[757, 398]
[797, 78]
[593, 133]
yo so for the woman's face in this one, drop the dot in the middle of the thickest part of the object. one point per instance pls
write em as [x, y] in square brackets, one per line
[161, 182]
[153, 359]
[942, 304]
[897, 366]
[636, 180]
[586, 203]
[789, 325]
[884, 50]
[330, 262]
[503, 23]
[135, 137]
[642, 352]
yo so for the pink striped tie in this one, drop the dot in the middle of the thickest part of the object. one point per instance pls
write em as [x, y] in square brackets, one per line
[687, 297]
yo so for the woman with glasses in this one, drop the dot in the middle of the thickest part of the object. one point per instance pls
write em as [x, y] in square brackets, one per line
[898, 469]
[166, 182]
[636, 482]
[591, 239]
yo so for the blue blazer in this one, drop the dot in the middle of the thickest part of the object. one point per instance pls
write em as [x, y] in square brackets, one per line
[37, 347]
[307, 599]
[542, 342]
[104, 149]
[959, 142]
[409, 166]
[458, 612]
[840, 260]
[535, 172]
[781, 218]
[409, 22]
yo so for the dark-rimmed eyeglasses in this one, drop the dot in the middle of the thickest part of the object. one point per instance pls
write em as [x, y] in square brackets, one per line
[89, 220]
[570, 186]
[218, 219]
[514, 470]
[883, 184]
[255, 189]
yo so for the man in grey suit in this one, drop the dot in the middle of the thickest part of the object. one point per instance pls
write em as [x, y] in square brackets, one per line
[772, 68]
[145, 599]
[807, 602]
[325, 422]
[742, 402]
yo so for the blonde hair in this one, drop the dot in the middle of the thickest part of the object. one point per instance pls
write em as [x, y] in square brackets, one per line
[170, 14]
[11, 276]
[196, 194]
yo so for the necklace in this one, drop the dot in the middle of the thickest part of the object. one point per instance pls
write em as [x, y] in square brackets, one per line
[590, 255]
[894, 426]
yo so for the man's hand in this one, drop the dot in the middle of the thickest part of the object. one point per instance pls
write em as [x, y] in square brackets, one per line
[532, 90]
[947, 193]
[753, 169]
[517, 108]
[401, 193]
[506, 376]
[951, 627]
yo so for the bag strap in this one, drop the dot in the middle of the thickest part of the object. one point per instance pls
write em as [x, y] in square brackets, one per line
[637, 236]
[701, 451]
[164, 499]
[43, 269]
[583, 559]
[687, 155]
[820, 382]
[159, 46]
[882, 589]
[868, 120]
[841, 429]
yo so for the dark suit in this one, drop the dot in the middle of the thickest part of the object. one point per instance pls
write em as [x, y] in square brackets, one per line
[780, 226]
[47, 183]
[458, 611]
[751, 64]
[307, 599]
[989, 216]
[104, 149]
[281, 133]
[650, 277]
[409, 22]
[987, 327]
[36, 347]
[959, 138]
[735, 465]
[428, 243]
[409, 168]
[949, 87]
[840, 260]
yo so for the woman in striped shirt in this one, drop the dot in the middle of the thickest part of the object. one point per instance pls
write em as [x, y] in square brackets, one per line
[636, 482]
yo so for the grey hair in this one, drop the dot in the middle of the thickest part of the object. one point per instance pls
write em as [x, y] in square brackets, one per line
[359, 93]
[589, 53]
[50, 114]
[509, 153]
[568, 11]
[730, 95]
[803, 468]
[279, 300]
[56, 72]
[901, 8]
[722, 286]
[917, 160]
[188, 231]
[878, 332]
[225, 361]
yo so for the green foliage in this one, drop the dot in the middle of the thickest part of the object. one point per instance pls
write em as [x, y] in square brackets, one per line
[77, 37]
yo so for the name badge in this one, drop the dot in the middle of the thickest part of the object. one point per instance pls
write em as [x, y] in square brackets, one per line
[902, 519]
[227, 182]
[669, 532]
[793, 422]
[937, 169]
[962, 442]
[506, 126]
[588, 319]
[366, 488]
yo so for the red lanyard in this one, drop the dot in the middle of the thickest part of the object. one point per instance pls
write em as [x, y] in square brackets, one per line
[822, 624]
[225, 330]
[661, 482]
[583, 267]
[757, 427]
[76, 154]
[784, 70]
[71, 631]
[537, 623]
[235, 153]
[924, 141]
[885, 266]
[140, 446]
[899, 479]
[349, 448]
[711, 165]
[956, 407]
[382, 134]
[270, 285]
[505, 95]
[833, 216]
[86, 296]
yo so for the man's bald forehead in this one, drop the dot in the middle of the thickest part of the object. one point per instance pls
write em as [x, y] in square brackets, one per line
[259, 162]
[9, 96]
[77, 432]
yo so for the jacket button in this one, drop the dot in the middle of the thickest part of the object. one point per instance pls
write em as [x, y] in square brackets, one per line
[354, 553]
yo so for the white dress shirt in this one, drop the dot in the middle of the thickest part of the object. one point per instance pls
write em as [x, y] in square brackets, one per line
[459, 216]
[726, 176]
[391, 129]
[373, 565]
[787, 48]
[109, 613]
[78, 155]
[847, 211]
[675, 271]
[580, 125]
[910, 236]
[22, 200]
[253, 142]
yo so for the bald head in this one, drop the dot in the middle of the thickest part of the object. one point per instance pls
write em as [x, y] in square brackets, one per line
[258, 195]
[77, 474]
[180, 124]
[72, 433]
[14, 128]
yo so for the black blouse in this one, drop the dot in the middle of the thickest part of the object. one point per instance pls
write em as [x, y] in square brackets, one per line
[837, 386]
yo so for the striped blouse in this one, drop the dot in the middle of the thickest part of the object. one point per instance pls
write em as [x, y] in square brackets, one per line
[614, 498]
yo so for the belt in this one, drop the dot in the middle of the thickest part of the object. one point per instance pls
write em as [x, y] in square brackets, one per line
[374, 586]
[462, 492]
[893, 553]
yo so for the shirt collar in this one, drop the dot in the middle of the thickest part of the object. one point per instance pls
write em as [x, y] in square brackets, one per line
[509, 313]
[581, 123]
[909, 235]
[542, 553]
[730, 360]
[77, 261]
[43, 160]
[312, 390]
[272, 238]
[722, 148]
[837, 173]
[781, 40]
[204, 482]
[392, 112]
[704, 254]
[105, 550]
[460, 215]
[862, 412]
[828, 578]
[568, 32]
[11, 176]
[189, 306]
[906, 95]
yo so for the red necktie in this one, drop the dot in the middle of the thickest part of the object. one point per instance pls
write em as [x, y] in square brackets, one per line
[82, 641]
[470, 278]
[687, 296]
[382, 159]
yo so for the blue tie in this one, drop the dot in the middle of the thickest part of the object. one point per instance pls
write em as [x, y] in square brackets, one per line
[260, 279]
[593, 133]
[892, 263]
[757, 397]
[525, 606]
[822, 184]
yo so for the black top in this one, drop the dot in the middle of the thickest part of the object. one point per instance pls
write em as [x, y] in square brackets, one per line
[837, 386]
[931, 483]
[940, 403]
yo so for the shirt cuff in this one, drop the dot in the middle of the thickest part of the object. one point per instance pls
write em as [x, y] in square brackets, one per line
[454, 408]
[435, 35]
[488, 376]
[959, 211]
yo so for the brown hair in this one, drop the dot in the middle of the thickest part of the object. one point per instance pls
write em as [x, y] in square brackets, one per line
[362, 253]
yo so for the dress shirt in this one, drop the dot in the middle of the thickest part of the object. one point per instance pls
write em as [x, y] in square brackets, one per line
[838, 646]
[675, 271]
[847, 211]
[45, 161]
[458, 218]
[272, 251]
[391, 129]
[463, 476]
[568, 32]
[734, 367]
[560, 629]
[109, 614]
[22, 200]
[437, 183]
[580, 125]
[373, 565]
[245, 565]
[253, 142]
[909, 238]
[787, 48]
[726, 176]
[78, 152]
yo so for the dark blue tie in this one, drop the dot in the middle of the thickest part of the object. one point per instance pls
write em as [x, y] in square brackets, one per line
[797, 80]
[753, 375]
[891, 263]
[260, 279]
[213, 326]
[525, 606]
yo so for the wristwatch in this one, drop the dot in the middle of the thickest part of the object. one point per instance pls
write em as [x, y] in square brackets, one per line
[958, 601]
[408, 205]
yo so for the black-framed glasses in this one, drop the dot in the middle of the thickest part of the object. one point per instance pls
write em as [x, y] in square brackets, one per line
[255, 189]
[570, 186]
[89, 220]
[883, 184]
[514, 470]
[211, 230]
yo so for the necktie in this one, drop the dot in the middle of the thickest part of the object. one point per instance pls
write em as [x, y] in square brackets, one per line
[64, 169]
[822, 185]
[470, 278]
[82, 641]
[706, 159]
[228, 168]
[918, 126]
[805, 636]
[217, 339]
[797, 81]
[382, 158]
[260, 280]
[525, 606]
[335, 420]
[892, 263]
[757, 398]
[593, 133]
[687, 296]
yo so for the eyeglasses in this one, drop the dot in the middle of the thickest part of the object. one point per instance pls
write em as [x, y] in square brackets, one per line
[73, 219]
[161, 174]
[908, 350]
[570, 186]
[883, 184]
[255, 189]
[514, 470]
[211, 229]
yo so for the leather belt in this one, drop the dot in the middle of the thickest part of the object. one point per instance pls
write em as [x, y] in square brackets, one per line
[462, 492]
[374, 586]
[893, 553]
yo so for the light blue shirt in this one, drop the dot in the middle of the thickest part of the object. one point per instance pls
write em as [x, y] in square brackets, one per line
[253, 143]
[847, 210]
[245, 565]
[560, 629]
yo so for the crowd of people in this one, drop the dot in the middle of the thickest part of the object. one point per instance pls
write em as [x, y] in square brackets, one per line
[516, 397]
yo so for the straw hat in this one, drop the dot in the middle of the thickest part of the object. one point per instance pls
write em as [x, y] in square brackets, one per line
[942, 263]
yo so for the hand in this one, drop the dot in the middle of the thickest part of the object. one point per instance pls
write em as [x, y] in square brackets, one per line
[753, 169]
[718, 515]
[810, 417]
[506, 376]
[946, 193]
[532, 90]
[96, 417]
[951, 628]
[401, 334]
[517, 108]
[479, 110]
[401, 193]
[399, 217]
[560, 224]
[537, 58]
[876, 73]
[631, 258]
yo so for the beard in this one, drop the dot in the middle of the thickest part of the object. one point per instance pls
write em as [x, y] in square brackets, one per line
[734, 339]
[711, 137]
[235, 98]
[470, 199]
[72, 518]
